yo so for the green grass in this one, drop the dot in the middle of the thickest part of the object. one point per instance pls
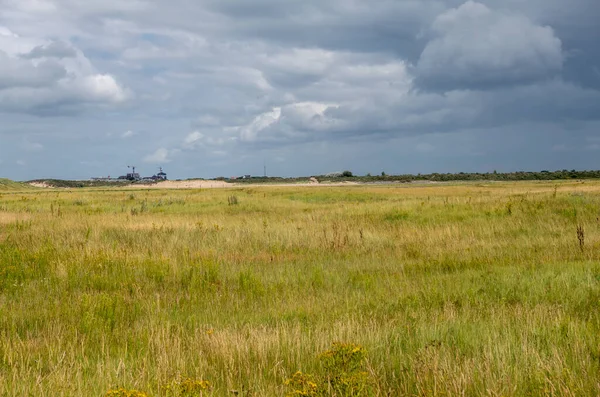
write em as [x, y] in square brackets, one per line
[467, 289]
[8, 185]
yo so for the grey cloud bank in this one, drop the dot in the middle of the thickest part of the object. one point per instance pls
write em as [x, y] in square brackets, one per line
[473, 48]
[211, 88]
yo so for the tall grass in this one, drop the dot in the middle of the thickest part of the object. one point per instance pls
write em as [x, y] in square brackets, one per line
[472, 289]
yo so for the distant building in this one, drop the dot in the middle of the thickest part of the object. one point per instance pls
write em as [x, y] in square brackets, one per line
[161, 176]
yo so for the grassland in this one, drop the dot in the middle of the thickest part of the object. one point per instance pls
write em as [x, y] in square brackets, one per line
[8, 185]
[467, 289]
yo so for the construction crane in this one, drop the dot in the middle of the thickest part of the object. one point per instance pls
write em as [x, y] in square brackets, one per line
[132, 176]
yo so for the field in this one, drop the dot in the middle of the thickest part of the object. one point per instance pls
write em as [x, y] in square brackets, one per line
[466, 289]
[8, 185]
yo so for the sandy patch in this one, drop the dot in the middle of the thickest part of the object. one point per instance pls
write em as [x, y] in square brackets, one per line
[220, 184]
[185, 185]
[41, 184]
[300, 184]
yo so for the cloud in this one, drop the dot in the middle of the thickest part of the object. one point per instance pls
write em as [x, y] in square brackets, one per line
[51, 79]
[321, 83]
[475, 47]
[15, 73]
[416, 113]
[100, 87]
[128, 134]
[348, 25]
[55, 49]
[160, 156]
[193, 138]
[260, 122]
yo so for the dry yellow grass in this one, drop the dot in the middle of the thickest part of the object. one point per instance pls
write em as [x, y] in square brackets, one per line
[464, 289]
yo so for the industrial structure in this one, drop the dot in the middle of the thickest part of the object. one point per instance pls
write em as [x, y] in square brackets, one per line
[135, 176]
[131, 176]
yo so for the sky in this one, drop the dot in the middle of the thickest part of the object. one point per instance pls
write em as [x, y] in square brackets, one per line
[207, 88]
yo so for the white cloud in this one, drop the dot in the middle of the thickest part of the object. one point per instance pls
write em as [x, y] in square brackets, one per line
[260, 122]
[193, 137]
[4, 31]
[102, 87]
[196, 139]
[290, 122]
[160, 156]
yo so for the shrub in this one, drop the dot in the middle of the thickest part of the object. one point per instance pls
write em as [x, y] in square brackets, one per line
[187, 388]
[302, 385]
[125, 393]
[343, 374]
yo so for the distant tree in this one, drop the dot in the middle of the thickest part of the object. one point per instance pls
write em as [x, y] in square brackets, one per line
[382, 173]
[347, 174]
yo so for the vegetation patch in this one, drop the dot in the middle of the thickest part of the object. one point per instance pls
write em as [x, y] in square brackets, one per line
[342, 373]
[8, 185]
[443, 289]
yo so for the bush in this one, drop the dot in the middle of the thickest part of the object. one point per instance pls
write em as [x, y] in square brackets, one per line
[187, 388]
[347, 174]
[343, 374]
[302, 385]
[125, 393]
